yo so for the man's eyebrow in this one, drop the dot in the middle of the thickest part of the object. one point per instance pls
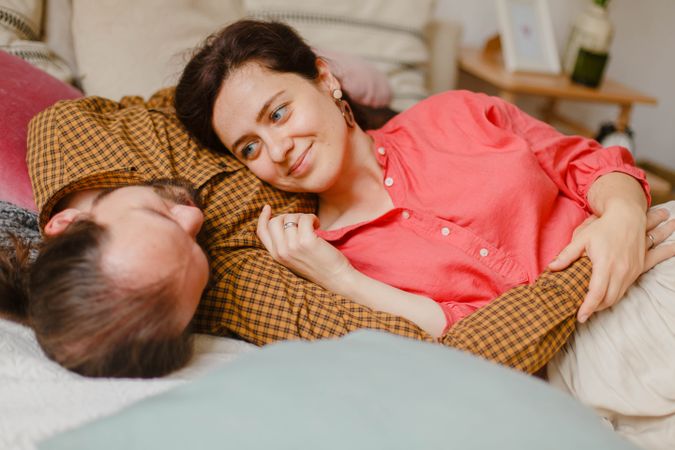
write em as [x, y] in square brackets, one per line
[260, 116]
[101, 195]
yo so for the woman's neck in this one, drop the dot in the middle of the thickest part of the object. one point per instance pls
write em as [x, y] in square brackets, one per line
[359, 194]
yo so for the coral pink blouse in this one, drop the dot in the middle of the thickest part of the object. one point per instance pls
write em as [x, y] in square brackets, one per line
[484, 198]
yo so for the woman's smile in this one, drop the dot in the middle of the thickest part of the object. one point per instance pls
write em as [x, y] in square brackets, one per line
[302, 164]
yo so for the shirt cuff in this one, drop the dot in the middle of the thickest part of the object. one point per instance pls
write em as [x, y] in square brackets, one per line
[628, 169]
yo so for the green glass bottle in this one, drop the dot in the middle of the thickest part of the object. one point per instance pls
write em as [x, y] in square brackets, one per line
[587, 50]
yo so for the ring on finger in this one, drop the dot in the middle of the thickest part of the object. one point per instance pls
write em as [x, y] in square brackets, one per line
[651, 241]
[288, 225]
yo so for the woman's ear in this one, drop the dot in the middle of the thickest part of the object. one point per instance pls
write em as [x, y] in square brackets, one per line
[62, 220]
[327, 80]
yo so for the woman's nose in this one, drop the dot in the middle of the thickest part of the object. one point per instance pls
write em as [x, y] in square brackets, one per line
[279, 147]
[189, 218]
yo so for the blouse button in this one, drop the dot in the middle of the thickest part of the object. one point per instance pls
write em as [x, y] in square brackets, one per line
[406, 215]
[445, 231]
[388, 181]
[381, 151]
[484, 252]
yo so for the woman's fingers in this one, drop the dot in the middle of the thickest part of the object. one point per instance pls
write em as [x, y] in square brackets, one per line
[262, 229]
[568, 255]
[655, 216]
[659, 254]
[660, 251]
[659, 234]
[307, 223]
[597, 289]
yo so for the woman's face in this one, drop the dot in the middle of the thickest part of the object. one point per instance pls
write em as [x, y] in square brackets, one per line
[286, 129]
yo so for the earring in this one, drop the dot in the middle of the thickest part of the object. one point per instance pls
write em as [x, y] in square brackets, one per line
[345, 109]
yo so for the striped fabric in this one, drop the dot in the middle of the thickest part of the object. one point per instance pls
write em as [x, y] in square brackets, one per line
[387, 33]
[97, 143]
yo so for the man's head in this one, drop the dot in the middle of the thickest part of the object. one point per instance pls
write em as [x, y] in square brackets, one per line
[118, 280]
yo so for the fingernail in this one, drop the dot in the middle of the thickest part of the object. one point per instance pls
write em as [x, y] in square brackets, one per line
[583, 318]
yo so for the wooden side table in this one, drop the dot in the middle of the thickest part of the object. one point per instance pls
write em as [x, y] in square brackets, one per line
[486, 65]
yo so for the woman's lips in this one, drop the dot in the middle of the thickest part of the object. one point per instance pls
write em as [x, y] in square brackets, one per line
[298, 168]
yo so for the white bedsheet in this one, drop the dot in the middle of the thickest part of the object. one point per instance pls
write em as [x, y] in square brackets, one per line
[38, 398]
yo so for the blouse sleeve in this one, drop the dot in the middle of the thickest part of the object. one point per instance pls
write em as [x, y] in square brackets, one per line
[572, 162]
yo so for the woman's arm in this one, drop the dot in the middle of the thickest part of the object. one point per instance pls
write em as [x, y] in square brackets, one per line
[605, 182]
[297, 247]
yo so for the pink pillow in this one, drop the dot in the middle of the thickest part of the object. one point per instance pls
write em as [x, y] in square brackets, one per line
[24, 92]
[360, 79]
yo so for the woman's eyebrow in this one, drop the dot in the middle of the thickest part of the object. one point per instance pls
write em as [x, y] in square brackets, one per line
[260, 116]
[267, 104]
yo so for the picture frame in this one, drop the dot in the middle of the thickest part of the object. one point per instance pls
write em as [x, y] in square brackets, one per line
[527, 38]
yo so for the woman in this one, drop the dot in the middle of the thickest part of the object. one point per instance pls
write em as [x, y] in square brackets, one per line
[448, 205]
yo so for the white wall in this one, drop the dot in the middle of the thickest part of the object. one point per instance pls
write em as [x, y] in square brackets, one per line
[641, 57]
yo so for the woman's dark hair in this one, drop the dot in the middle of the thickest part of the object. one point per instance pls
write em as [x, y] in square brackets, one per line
[274, 45]
[85, 319]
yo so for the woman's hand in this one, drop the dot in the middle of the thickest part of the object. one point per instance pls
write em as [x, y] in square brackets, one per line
[619, 253]
[291, 240]
[659, 232]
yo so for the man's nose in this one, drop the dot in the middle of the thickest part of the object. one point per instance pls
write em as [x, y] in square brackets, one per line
[189, 218]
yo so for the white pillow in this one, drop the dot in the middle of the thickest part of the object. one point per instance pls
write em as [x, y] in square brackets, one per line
[131, 47]
[388, 33]
[20, 19]
[20, 34]
[39, 398]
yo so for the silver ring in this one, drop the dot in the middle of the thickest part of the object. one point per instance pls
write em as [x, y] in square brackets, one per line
[651, 241]
[288, 225]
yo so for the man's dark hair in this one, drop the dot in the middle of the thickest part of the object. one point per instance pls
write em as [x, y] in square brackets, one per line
[85, 319]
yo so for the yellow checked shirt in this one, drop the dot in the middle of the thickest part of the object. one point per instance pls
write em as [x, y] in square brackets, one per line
[98, 143]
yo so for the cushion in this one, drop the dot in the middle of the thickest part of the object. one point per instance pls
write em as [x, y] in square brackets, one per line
[388, 33]
[20, 31]
[20, 19]
[41, 56]
[25, 91]
[130, 47]
[369, 390]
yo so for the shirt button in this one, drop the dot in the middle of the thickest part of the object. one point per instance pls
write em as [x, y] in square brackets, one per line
[381, 151]
[484, 252]
[445, 231]
[388, 181]
[406, 215]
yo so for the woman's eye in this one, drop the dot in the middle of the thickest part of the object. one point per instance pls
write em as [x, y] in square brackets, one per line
[278, 114]
[248, 151]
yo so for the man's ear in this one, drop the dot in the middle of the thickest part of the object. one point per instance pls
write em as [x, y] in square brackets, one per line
[62, 220]
[326, 78]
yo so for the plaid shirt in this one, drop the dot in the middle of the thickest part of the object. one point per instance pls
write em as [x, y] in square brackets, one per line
[97, 143]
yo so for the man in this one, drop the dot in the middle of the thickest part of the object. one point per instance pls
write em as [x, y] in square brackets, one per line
[83, 154]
